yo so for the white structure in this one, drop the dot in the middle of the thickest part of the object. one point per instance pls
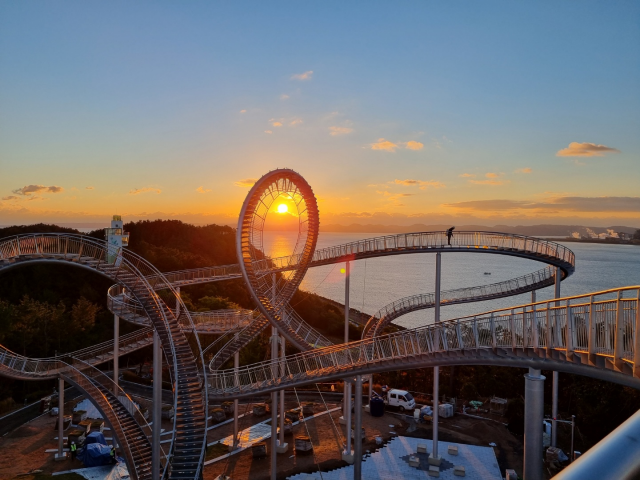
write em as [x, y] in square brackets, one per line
[116, 238]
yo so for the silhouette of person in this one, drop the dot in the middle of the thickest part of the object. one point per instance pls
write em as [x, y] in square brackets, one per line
[450, 234]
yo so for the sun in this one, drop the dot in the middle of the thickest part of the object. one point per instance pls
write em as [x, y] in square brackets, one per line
[282, 208]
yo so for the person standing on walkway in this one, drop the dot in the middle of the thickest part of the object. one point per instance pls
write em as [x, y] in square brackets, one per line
[113, 454]
[450, 234]
[74, 450]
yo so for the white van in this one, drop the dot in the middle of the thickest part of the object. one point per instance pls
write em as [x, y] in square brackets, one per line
[401, 399]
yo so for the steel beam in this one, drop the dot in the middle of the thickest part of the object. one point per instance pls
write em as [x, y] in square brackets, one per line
[236, 365]
[436, 370]
[357, 436]
[61, 455]
[157, 406]
[116, 352]
[554, 386]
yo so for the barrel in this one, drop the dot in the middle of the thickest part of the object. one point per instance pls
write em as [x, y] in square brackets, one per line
[376, 407]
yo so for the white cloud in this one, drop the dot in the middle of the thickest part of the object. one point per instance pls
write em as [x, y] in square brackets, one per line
[284, 96]
[576, 149]
[384, 145]
[138, 191]
[335, 131]
[31, 189]
[413, 145]
[302, 76]
[245, 182]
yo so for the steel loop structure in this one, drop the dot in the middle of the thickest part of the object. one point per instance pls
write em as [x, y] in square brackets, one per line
[138, 277]
[273, 290]
[595, 334]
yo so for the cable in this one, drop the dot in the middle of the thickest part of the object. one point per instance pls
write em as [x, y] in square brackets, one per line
[327, 408]
[315, 459]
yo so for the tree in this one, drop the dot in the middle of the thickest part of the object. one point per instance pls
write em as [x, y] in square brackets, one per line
[83, 315]
[636, 236]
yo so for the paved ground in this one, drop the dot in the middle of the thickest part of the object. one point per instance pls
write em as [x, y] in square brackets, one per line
[392, 463]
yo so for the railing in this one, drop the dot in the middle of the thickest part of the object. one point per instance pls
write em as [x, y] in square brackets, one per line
[602, 323]
[213, 321]
[91, 380]
[525, 283]
[116, 263]
[400, 243]
[199, 275]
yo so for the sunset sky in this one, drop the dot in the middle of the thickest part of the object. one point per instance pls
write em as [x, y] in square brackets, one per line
[395, 112]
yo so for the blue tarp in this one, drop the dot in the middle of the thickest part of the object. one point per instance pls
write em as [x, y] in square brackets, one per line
[95, 437]
[95, 455]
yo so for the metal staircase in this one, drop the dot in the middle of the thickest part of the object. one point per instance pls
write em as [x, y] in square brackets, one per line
[131, 271]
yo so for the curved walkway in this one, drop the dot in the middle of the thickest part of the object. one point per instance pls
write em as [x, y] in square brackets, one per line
[130, 271]
[593, 335]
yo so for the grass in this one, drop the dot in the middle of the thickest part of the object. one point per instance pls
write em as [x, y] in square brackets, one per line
[215, 451]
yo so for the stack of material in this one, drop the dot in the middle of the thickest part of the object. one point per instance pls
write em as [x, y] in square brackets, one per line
[307, 408]
[227, 407]
[79, 416]
[217, 415]
[97, 425]
[85, 425]
[77, 436]
[259, 409]
[445, 410]
[259, 450]
[303, 444]
[292, 415]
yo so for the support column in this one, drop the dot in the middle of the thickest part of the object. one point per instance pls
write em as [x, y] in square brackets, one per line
[178, 303]
[116, 352]
[347, 455]
[347, 273]
[274, 404]
[434, 458]
[61, 455]
[157, 407]
[554, 386]
[236, 365]
[282, 447]
[533, 417]
[357, 436]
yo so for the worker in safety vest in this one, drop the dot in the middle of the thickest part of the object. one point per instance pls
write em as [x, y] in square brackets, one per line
[74, 450]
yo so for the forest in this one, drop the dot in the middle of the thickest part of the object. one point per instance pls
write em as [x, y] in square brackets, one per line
[47, 310]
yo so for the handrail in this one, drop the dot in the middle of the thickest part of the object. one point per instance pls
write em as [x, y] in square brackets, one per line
[127, 268]
[84, 375]
[523, 327]
[526, 283]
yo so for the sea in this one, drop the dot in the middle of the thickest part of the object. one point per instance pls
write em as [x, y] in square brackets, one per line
[376, 282]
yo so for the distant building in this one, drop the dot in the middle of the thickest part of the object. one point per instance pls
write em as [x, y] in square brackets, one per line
[117, 239]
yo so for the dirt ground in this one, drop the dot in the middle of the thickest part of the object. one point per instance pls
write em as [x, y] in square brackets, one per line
[23, 450]
[327, 444]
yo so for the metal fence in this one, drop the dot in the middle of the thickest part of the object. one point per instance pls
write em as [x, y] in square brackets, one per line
[602, 323]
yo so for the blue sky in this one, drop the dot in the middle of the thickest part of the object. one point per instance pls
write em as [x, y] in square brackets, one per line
[413, 111]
